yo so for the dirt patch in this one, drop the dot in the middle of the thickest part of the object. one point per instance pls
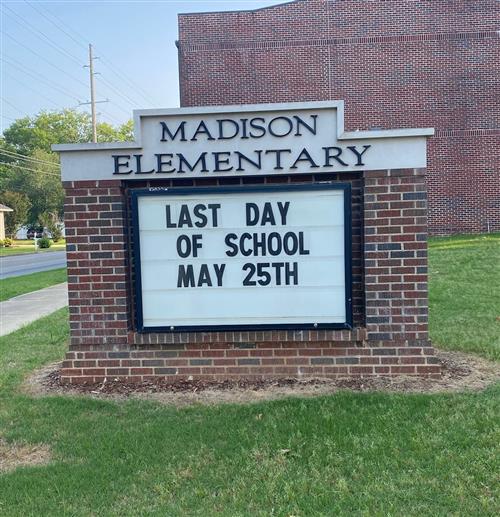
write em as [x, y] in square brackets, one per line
[460, 372]
[14, 455]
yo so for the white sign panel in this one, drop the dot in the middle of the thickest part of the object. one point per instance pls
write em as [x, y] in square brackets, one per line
[233, 258]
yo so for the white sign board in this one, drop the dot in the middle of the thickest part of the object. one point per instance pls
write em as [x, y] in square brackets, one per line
[250, 140]
[252, 257]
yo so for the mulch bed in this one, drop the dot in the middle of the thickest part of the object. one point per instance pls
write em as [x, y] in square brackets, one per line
[460, 372]
[122, 387]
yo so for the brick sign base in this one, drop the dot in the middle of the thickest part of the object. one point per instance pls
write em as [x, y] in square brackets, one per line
[389, 272]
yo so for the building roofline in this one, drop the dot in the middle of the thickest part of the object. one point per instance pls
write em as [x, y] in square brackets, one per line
[241, 10]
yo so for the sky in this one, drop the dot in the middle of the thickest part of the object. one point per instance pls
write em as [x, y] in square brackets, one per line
[44, 47]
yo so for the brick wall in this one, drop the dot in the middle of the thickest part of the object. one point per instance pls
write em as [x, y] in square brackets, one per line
[389, 294]
[396, 63]
[98, 267]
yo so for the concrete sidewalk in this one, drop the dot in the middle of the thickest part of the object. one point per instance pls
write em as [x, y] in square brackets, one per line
[24, 309]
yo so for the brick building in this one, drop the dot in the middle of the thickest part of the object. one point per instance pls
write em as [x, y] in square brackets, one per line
[396, 63]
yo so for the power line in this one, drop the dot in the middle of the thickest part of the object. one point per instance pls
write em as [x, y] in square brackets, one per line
[33, 73]
[83, 39]
[55, 66]
[41, 33]
[134, 86]
[126, 98]
[54, 23]
[111, 117]
[28, 169]
[121, 108]
[51, 42]
[63, 30]
[27, 158]
[44, 59]
[37, 76]
[114, 119]
[108, 115]
[11, 105]
[58, 106]
[58, 26]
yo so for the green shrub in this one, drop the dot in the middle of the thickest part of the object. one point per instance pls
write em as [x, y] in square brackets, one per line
[7, 242]
[56, 232]
[1, 243]
[44, 242]
[51, 224]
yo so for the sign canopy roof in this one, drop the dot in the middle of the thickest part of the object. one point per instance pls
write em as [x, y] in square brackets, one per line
[244, 140]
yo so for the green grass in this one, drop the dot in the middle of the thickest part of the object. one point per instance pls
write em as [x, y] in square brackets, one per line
[464, 294]
[15, 286]
[27, 246]
[345, 454]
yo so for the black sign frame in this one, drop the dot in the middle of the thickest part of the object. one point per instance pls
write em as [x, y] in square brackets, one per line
[137, 291]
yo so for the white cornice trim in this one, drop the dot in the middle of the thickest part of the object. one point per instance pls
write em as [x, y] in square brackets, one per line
[138, 115]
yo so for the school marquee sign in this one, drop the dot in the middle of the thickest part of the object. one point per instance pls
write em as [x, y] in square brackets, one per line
[239, 257]
[243, 257]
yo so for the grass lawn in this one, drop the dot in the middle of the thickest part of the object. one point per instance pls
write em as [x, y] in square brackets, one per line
[14, 286]
[344, 454]
[27, 246]
[464, 294]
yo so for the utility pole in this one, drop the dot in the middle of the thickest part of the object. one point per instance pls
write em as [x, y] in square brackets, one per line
[92, 102]
[92, 94]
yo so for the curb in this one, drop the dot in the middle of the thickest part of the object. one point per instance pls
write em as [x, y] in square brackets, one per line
[30, 253]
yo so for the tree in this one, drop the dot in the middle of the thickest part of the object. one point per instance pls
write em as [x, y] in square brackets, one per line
[125, 132]
[42, 184]
[50, 220]
[41, 131]
[33, 173]
[20, 205]
[60, 127]
[107, 133]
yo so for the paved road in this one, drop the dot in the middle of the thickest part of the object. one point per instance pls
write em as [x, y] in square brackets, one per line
[31, 263]
[21, 310]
